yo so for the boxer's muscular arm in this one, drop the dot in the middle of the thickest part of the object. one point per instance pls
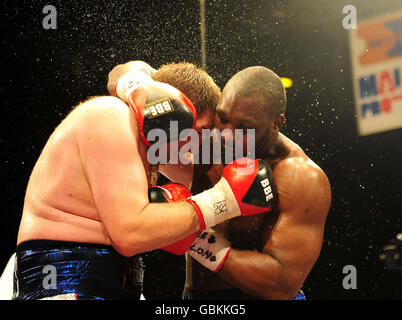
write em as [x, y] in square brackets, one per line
[111, 156]
[294, 243]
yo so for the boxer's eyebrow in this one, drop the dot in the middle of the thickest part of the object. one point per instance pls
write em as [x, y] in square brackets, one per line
[246, 120]
[246, 123]
[221, 115]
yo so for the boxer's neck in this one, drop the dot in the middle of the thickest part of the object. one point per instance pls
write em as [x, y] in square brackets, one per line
[269, 147]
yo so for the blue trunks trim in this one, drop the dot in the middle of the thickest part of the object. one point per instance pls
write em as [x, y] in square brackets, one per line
[225, 294]
[46, 268]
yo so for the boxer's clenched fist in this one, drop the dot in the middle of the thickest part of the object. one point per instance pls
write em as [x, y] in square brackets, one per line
[121, 69]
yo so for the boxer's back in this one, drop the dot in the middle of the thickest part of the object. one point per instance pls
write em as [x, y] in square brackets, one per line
[58, 201]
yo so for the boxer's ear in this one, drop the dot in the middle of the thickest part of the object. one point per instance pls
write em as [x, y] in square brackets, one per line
[279, 122]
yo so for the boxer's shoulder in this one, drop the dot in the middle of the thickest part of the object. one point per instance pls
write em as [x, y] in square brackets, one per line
[103, 113]
[300, 180]
[298, 163]
[295, 164]
[300, 169]
[101, 106]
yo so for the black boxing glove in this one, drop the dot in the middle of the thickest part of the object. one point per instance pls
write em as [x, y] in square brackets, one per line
[155, 104]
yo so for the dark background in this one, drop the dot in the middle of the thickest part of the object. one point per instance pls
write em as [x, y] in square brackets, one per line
[46, 72]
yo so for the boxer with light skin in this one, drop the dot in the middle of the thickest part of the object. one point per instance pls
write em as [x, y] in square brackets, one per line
[94, 149]
[86, 208]
[271, 254]
[205, 96]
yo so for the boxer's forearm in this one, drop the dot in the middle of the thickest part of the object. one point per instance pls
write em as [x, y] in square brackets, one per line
[157, 225]
[257, 274]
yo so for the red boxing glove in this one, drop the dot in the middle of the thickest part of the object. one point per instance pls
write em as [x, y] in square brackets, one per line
[247, 187]
[173, 192]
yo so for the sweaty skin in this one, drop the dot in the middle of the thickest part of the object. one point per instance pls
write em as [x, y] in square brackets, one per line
[90, 184]
[272, 253]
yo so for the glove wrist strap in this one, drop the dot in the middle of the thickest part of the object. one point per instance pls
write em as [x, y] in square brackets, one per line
[217, 204]
[200, 216]
[130, 82]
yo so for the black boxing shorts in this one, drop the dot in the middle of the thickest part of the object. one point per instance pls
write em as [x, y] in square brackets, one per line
[225, 294]
[47, 269]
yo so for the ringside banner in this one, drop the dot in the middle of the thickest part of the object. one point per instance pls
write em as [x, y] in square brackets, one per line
[376, 53]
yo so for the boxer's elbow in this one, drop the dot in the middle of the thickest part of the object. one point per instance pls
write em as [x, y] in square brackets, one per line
[284, 286]
[279, 293]
[128, 232]
[282, 292]
[127, 247]
[125, 250]
[127, 241]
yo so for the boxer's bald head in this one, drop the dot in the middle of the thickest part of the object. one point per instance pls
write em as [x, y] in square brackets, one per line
[261, 82]
[254, 98]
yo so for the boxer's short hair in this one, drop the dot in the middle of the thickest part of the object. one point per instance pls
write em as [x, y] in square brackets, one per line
[193, 81]
[261, 81]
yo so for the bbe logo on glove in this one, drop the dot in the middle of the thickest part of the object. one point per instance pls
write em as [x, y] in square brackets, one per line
[159, 107]
[267, 189]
